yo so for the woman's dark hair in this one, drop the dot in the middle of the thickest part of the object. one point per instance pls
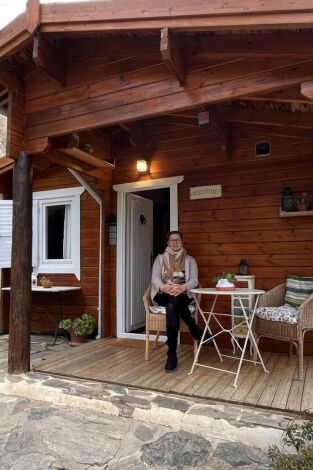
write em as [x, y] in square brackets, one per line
[173, 232]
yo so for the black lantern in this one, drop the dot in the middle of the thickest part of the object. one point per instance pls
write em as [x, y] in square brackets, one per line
[243, 267]
[287, 200]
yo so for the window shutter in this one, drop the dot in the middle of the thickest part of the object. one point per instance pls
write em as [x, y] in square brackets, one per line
[6, 214]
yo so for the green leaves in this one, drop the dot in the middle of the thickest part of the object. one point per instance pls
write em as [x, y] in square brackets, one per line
[82, 326]
[231, 277]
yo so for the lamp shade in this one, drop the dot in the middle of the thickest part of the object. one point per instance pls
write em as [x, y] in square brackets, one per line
[142, 166]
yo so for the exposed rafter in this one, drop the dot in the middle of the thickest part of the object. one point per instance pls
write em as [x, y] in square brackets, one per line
[136, 133]
[295, 120]
[289, 95]
[76, 148]
[172, 57]
[49, 59]
[223, 130]
[268, 131]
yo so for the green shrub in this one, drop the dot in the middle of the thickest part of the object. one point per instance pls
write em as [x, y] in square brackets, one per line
[300, 438]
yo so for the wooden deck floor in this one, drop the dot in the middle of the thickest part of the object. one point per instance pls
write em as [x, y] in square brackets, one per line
[122, 362]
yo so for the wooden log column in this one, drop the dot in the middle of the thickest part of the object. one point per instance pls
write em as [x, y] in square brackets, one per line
[21, 267]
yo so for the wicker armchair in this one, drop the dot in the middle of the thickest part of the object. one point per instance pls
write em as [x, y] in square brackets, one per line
[284, 331]
[157, 322]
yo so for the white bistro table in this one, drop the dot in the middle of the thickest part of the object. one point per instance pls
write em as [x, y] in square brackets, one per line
[208, 316]
[59, 290]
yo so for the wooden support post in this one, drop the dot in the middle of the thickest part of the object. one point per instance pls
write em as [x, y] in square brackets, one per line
[21, 267]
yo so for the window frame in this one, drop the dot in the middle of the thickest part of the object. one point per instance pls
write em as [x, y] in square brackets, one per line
[42, 200]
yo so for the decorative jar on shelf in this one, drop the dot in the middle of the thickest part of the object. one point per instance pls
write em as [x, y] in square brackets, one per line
[287, 203]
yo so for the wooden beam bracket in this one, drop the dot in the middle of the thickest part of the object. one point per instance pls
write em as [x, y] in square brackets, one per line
[172, 57]
[49, 59]
[306, 89]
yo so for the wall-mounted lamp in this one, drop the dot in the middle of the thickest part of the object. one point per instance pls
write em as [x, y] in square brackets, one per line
[112, 230]
[142, 166]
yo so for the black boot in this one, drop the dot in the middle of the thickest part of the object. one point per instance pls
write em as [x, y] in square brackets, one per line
[171, 363]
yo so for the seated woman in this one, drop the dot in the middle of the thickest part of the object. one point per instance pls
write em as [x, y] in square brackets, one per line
[174, 273]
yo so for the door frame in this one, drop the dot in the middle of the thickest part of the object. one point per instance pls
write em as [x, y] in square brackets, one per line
[122, 189]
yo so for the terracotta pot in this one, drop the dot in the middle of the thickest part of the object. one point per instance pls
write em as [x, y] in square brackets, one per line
[75, 339]
[302, 207]
[47, 284]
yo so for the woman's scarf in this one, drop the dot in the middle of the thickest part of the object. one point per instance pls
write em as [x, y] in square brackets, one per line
[173, 269]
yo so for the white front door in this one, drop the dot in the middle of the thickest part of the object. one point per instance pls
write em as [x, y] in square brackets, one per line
[139, 248]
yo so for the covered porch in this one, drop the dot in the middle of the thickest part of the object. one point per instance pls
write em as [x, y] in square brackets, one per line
[122, 362]
[120, 96]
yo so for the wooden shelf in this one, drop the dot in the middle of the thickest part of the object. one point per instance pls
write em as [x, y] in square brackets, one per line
[295, 214]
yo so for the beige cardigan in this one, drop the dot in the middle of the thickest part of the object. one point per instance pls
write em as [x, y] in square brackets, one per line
[191, 275]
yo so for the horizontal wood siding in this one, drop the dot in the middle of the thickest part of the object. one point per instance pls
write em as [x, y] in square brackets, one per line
[244, 222]
[77, 302]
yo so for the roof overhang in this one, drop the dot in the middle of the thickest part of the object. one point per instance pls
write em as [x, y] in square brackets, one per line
[180, 15]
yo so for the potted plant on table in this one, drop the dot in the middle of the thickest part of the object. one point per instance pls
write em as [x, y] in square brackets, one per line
[78, 328]
[225, 281]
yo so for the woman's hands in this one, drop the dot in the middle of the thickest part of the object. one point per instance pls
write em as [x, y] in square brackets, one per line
[173, 289]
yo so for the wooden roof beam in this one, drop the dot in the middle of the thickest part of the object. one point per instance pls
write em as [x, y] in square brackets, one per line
[49, 59]
[223, 130]
[136, 133]
[268, 131]
[306, 89]
[287, 119]
[203, 88]
[172, 57]
[288, 95]
[68, 161]
[70, 146]
[38, 146]
[179, 14]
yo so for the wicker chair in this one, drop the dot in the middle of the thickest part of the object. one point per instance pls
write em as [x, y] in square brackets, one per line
[157, 322]
[294, 334]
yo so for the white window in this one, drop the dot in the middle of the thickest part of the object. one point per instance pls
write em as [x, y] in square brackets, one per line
[56, 231]
[5, 233]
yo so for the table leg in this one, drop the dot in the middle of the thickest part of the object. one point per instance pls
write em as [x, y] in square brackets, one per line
[60, 318]
[248, 321]
[206, 328]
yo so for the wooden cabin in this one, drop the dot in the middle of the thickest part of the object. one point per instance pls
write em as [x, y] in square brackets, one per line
[208, 94]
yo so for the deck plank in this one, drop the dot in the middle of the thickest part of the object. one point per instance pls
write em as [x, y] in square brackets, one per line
[122, 362]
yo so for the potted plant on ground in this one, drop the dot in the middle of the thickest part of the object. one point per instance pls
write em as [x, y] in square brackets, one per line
[78, 328]
[225, 281]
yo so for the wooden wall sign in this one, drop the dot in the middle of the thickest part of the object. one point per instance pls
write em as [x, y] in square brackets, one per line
[206, 192]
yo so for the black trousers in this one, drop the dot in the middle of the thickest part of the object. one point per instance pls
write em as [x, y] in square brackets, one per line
[176, 309]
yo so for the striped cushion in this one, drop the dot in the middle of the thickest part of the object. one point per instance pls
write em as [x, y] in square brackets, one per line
[298, 289]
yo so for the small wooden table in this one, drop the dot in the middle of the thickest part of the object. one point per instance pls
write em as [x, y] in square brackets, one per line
[59, 290]
[237, 294]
